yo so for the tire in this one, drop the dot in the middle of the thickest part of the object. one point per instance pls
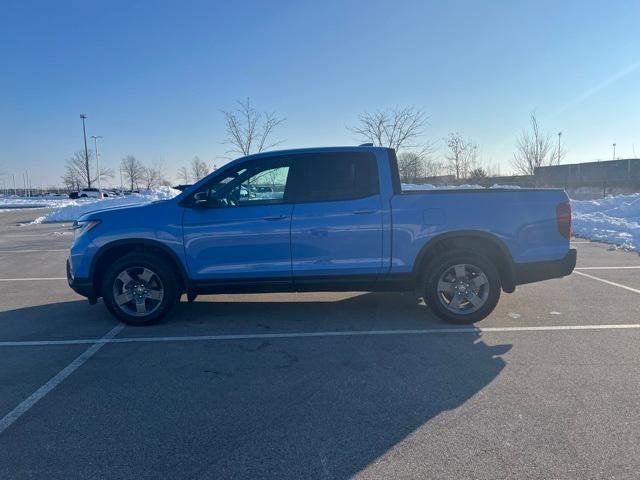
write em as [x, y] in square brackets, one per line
[83, 196]
[140, 289]
[461, 286]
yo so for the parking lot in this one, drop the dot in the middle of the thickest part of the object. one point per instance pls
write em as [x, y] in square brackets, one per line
[322, 385]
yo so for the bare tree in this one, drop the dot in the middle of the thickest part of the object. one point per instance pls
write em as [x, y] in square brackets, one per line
[199, 169]
[414, 165]
[560, 152]
[76, 175]
[410, 166]
[533, 149]
[432, 168]
[478, 173]
[249, 131]
[133, 170]
[152, 175]
[458, 155]
[183, 174]
[395, 128]
[71, 179]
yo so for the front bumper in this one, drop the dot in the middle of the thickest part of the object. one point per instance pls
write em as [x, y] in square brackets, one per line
[537, 271]
[82, 286]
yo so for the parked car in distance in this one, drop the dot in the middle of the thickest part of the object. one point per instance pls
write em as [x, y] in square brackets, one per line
[336, 220]
[91, 193]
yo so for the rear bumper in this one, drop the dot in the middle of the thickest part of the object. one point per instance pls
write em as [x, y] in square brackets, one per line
[537, 271]
[82, 286]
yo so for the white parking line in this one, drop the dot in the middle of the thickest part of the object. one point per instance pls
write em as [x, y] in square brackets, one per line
[35, 251]
[32, 399]
[31, 279]
[608, 282]
[29, 235]
[609, 268]
[343, 333]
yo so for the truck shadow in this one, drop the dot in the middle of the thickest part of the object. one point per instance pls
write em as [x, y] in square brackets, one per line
[317, 310]
[279, 408]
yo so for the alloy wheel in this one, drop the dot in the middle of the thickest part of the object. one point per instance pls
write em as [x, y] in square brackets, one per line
[463, 288]
[138, 291]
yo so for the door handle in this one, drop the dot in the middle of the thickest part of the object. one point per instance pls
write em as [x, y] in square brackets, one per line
[275, 217]
[364, 212]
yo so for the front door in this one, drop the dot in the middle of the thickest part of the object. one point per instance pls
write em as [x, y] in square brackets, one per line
[237, 227]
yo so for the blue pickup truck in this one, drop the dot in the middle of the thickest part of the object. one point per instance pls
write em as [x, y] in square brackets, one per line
[322, 219]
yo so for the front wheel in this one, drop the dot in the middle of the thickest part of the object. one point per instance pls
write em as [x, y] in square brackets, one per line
[461, 287]
[140, 289]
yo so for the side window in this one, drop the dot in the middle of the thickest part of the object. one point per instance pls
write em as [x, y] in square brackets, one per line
[256, 183]
[336, 176]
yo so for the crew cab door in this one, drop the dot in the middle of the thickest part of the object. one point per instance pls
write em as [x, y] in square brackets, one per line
[237, 227]
[336, 228]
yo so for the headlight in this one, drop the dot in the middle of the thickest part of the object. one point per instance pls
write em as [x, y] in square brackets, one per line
[83, 226]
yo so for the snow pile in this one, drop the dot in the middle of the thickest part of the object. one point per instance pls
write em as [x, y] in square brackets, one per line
[73, 209]
[614, 220]
[11, 202]
[428, 186]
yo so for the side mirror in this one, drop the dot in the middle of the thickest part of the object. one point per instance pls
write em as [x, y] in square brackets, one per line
[201, 200]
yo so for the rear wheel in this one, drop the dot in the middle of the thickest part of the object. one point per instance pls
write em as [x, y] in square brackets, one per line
[461, 287]
[140, 289]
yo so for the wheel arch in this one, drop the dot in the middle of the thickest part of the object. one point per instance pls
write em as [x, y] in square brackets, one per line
[482, 242]
[119, 248]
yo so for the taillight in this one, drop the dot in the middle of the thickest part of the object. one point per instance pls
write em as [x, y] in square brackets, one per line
[563, 216]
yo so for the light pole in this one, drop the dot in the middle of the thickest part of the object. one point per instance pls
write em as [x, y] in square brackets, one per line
[559, 135]
[86, 151]
[614, 151]
[95, 146]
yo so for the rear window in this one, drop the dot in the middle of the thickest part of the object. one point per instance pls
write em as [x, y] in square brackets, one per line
[336, 176]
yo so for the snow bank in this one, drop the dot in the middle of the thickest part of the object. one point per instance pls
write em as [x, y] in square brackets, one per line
[11, 202]
[428, 186]
[72, 209]
[614, 220]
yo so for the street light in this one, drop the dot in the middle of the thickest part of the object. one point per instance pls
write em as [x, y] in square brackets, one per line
[95, 145]
[559, 135]
[86, 150]
[614, 151]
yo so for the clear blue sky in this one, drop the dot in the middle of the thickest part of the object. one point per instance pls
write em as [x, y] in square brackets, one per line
[152, 76]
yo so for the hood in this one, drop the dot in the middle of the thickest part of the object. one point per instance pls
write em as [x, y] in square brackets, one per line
[105, 213]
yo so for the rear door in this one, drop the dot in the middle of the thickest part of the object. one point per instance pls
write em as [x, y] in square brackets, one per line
[336, 226]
